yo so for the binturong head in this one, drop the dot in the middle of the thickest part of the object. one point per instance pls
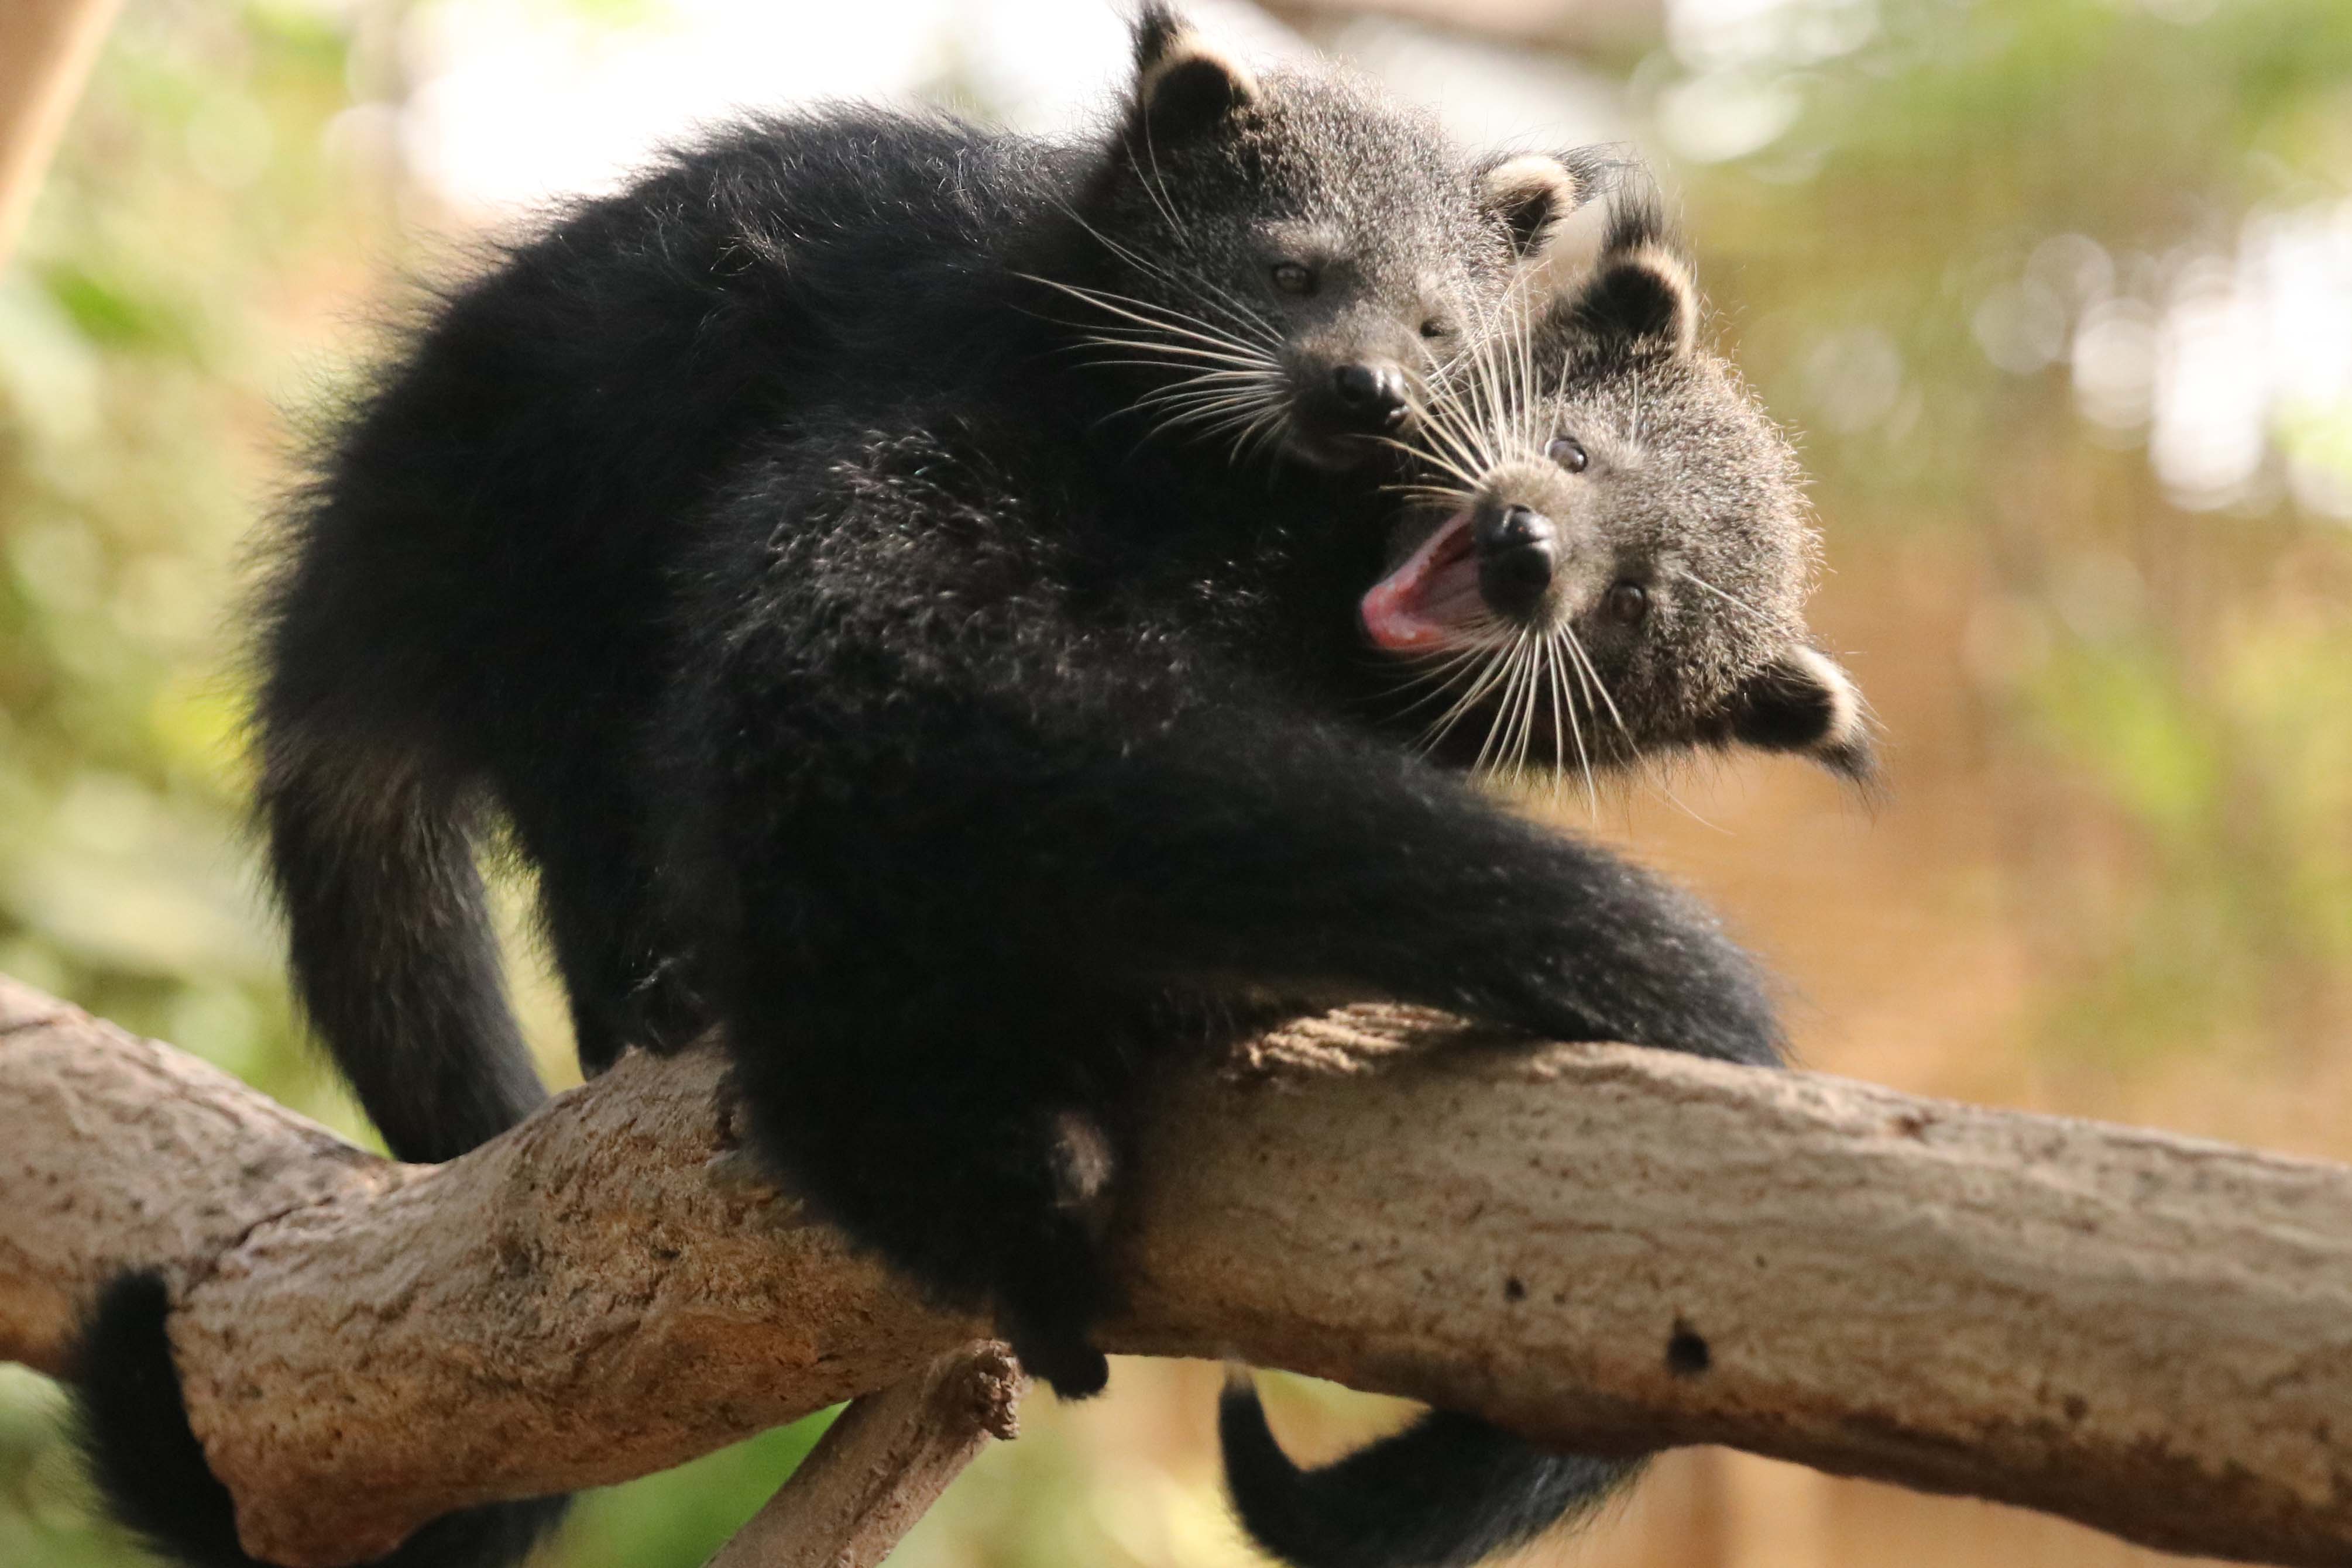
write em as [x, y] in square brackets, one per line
[1273, 260]
[1616, 550]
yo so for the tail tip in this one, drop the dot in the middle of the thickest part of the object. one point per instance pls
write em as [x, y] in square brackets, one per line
[1447, 1492]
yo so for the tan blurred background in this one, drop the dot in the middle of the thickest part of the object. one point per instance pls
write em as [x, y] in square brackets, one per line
[2059, 293]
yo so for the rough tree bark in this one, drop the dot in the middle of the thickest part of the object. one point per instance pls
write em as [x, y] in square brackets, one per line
[1593, 1245]
[884, 1462]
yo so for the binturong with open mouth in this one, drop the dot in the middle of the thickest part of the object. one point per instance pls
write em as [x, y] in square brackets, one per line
[1615, 551]
[1607, 558]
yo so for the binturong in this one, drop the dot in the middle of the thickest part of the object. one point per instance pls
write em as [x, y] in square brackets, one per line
[1610, 562]
[889, 581]
[1614, 549]
[908, 591]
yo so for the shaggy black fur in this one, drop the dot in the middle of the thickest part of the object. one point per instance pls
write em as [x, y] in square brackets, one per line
[815, 556]
[1650, 527]
[473, 603]
[996, 767]
[1393, 1504]
[149, 1466]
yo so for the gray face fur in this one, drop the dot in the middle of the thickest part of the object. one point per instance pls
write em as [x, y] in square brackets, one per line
[1293, 253]
[1618, 552]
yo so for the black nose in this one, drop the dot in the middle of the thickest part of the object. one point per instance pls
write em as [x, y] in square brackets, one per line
[1517, 554]
[1512, 527]
[1373, 395]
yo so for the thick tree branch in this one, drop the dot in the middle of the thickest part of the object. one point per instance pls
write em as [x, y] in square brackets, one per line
[1592, 1245]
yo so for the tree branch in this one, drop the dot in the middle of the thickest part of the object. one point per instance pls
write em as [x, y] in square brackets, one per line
[882, 1464]
[49, 47]
[1592, 1245]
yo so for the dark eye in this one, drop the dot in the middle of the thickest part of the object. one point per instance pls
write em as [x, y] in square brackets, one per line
[1293, 279]
[1627, 601]
[1433, 328]
[1569, 454]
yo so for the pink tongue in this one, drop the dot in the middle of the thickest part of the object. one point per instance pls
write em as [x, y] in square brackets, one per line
[1422, 602]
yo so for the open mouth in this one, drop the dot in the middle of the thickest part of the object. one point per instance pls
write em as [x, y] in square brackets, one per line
[1320, 450]
[1424, 603]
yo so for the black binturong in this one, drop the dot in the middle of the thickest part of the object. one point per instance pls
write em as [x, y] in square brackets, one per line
[945, 606]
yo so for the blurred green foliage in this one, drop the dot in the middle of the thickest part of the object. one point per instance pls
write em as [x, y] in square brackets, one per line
[1912, 212]
[1944, 178]
[198, 211]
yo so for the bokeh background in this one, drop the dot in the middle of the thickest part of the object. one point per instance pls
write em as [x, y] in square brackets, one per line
[2059, 293]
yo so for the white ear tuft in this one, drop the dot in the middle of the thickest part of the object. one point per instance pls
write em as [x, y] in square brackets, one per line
[1802, 702]
[1656, 295]
[1192, 87]
[1530, 194]
[1844, 724]
[1616, 276]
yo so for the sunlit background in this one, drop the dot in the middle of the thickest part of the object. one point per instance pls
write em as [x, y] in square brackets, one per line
[2059, 293]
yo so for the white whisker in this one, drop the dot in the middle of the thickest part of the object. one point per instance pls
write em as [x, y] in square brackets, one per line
[1199, 286]
[1180, 353]
[1732, 599]
[1499, 657]
[1539, 665]
[1469, 480]
[1559, 726]
[1517, 662]
[1144, 313]
[1583, 756]
[1577, 647]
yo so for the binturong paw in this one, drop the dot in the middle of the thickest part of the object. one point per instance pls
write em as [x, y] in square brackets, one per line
[1073, 1368]
[1061, 1287]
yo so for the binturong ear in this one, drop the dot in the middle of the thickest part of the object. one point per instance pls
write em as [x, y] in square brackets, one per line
[1184, 87]
[1641, 296]
[1637, 294]
[1529, 196]
[1803, 701]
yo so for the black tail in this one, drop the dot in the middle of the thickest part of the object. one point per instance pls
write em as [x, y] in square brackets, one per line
[393, 954]
[152, 1472]
[1446, 1491]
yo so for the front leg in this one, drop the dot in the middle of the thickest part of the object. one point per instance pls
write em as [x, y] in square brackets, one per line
[936, 909]
[1243, 851]
[968, 1127]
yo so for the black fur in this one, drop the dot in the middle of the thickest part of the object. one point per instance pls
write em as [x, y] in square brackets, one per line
[872, 663]
[1395, 1504]
[984, 767]
[134, 1433]
[471, 600]
[391, 939]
